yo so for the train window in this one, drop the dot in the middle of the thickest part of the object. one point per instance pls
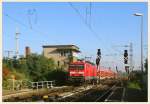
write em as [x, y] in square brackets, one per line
[81, 67]
[76, 67]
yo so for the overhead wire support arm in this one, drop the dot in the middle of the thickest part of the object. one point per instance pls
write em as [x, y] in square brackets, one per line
[8, 53]
[84, 21]
[17, 21]
[90, 14]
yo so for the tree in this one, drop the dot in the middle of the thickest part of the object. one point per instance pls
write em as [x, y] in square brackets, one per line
[34, 68]
[6, 72]
[39, 66]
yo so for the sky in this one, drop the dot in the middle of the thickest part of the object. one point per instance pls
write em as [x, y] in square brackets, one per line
[49, 23]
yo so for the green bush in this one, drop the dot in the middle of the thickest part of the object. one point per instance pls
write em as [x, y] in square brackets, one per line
[59, 76]
[134, 85]
[35, 68]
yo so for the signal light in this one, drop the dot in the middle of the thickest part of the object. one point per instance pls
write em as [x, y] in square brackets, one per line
[125, 57]
[99, 52]
[125, 53]
[98, 57]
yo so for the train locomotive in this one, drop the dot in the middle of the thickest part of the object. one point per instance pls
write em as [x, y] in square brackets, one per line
[83, 71]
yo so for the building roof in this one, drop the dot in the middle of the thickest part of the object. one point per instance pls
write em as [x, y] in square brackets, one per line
[63, 47]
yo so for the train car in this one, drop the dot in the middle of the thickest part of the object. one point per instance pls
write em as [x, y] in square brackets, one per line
[82, 71]
[102, 73]
[112, 74]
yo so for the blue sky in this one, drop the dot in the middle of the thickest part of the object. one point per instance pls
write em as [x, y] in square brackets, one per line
[59, 23]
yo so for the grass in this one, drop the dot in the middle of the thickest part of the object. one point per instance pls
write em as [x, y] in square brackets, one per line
[134, 85]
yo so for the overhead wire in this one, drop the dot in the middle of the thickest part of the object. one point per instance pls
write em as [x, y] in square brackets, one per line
[32, 13]
[86, 23]
[24, 25]
[86, 15]
[81, 17]
[30, 21]
[17, 21]
[33, 29]
[76, 10]
[90, 18]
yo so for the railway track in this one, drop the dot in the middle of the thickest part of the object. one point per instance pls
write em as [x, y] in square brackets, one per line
[11, 93]
[7, 96]
[97, 94]
[82, 94]
[25, 95]
[90, 93]
[113, 94]
[103, 96]
[116, 95]
[72, 95]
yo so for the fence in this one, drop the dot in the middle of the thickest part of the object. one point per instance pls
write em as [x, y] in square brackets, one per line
[13, 84]
[42, 84]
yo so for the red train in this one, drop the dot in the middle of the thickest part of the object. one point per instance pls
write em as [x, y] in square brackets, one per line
[82, 71]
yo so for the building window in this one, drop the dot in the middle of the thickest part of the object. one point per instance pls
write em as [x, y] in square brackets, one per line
[58, 63]
[61, 53]
[64, 53]
[64, 63]
[68, 53]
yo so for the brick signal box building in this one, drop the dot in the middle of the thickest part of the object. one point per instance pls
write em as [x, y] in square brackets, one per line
[62, 54]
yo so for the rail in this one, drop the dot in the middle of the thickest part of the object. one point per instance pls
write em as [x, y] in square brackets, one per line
[116, 95]
[107, 92]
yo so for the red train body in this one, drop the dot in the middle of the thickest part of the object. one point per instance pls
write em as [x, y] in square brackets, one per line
[84, 71]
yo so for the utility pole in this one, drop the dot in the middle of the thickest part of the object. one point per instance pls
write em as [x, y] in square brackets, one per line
[8, 53]
[88, 14]
[17, 43]
[141, 15]
[131, 57]
[98, 59]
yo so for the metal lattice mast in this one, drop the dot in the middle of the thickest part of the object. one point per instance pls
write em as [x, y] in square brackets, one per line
[8, 53]
[17, 43]
[131, 57]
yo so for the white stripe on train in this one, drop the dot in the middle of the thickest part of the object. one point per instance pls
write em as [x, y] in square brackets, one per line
[76, 72]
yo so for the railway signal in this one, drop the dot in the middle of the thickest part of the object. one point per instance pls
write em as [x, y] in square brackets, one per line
[98, 57]
[98, 62]
[99, 53]
[125, 57]
[127, 69]
[117, 69]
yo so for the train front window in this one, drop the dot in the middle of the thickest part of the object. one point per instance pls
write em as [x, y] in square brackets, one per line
[76, 67]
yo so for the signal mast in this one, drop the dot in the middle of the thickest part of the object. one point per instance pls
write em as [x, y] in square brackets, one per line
[98, 62]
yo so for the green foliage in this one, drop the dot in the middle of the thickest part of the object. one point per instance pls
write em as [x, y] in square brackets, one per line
[136, 75]
[58, 75]
[18, 75]
[139, 78]
[34, 68]
[6, 84]
[8, 63]
[39, 66]
[134, 84]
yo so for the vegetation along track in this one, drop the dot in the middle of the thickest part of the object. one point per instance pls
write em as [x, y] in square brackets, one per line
[95, 94]
[69, 93]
